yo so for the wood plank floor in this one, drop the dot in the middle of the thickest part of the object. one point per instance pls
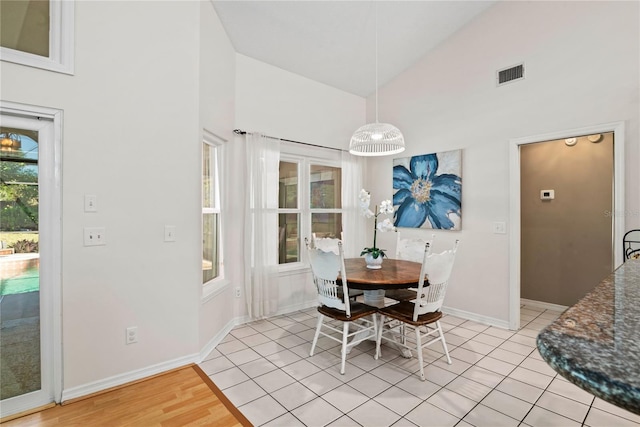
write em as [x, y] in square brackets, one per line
[184, 397]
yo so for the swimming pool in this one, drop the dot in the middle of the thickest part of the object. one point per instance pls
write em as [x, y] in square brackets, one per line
[27, 281]
[19, 273]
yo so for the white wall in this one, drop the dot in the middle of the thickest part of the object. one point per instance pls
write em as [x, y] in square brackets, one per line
[285, 105]
[217, 111]
[581, 61]
[143, 91]
[131, 137]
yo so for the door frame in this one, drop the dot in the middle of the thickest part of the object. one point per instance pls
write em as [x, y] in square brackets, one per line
[50, 226]
[618, 128]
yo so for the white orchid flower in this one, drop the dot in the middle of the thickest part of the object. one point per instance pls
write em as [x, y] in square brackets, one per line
[386, 207]
[386, 225]
[364, 200]
[364, 197]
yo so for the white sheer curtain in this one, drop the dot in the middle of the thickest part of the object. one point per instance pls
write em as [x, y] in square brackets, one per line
[354, 231]
[261, 225]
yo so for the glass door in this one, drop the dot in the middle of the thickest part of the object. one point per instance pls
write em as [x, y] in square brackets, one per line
[25, 279]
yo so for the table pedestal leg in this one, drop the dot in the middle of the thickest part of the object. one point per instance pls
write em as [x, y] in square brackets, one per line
[375, 298]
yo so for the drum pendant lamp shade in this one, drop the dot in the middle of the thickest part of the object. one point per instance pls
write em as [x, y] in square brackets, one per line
[376, 139]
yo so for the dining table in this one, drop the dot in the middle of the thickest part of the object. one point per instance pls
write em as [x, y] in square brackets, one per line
[392, 274]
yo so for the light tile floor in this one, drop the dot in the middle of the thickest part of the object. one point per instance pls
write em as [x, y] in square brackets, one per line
[497, 378]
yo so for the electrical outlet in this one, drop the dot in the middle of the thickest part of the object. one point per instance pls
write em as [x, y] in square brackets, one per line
[238, 292]
[94, 236]
[132, 335]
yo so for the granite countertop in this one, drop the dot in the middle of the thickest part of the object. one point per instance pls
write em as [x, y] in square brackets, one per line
[595, 344]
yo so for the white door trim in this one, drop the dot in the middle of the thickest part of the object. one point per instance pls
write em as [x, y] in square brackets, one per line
[618, 128]
[50, 225]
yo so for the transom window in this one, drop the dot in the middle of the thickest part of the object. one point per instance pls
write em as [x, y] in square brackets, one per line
[38, 33]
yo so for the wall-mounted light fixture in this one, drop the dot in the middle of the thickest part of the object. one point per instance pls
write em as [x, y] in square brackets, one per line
[595, 138]
[571, 141]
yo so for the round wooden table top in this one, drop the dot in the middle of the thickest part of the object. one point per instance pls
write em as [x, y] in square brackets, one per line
[394, 274]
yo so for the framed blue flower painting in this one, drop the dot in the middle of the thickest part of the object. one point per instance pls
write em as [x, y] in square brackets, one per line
[427, 191]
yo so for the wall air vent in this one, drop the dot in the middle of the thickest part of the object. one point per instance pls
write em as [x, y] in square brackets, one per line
[509, 75]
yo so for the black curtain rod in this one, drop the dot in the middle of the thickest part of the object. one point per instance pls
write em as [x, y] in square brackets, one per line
[241, 132]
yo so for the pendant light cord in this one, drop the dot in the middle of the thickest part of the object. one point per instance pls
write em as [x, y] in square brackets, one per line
[376, 32]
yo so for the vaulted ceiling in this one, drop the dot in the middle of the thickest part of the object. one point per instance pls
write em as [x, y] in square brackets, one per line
[333, 42]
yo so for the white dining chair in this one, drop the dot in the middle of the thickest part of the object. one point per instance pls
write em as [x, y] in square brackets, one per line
[356, 317]
[409, 249]
[424, 311]
[331, 244]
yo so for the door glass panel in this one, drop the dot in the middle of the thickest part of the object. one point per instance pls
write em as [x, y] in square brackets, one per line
[19, 263]
[24, 26]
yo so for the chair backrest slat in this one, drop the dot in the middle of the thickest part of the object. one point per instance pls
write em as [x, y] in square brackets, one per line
[412, 249]
[326, 267]
[437, 269]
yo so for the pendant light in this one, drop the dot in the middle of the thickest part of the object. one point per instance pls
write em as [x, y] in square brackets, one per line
[376, 139]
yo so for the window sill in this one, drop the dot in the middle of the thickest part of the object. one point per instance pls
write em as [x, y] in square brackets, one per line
[293, 268]
[213, 288]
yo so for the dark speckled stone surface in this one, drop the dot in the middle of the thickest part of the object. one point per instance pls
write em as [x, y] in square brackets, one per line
[595, 344]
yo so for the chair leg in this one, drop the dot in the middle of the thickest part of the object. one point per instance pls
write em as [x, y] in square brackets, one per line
[379, 336]
[374, 317]
[345, 333]
[419, 350]
[315, 337]
[444, 343]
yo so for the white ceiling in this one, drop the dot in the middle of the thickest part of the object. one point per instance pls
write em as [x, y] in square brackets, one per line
[333, 42]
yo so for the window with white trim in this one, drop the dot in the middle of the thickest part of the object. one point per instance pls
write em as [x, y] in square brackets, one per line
[310, 201]
[38, 33]
[211, 242]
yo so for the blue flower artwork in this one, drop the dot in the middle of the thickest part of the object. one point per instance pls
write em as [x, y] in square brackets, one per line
[427, 191]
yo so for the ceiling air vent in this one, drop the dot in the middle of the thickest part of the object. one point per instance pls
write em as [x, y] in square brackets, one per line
[511, 74]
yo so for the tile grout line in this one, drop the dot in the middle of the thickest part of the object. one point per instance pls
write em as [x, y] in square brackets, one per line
[305, 316]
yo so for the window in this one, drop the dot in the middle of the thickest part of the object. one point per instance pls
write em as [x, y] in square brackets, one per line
[310, 201]
[325, 201]
[38, 33]
[211, 253]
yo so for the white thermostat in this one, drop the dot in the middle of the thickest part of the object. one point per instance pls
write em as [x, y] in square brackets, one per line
[547, 194]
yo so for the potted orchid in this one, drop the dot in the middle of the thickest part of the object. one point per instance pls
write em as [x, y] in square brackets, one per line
[373, 256]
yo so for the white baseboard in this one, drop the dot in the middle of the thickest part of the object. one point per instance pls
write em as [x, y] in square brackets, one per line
[485, 320]
[543, 305]
[127, 377]
[217, 339]
[283, 310]
[117, 380]
[295, 307]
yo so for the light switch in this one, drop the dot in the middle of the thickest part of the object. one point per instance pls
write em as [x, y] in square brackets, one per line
[90, 203]
[169, 233]
[499, 227]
